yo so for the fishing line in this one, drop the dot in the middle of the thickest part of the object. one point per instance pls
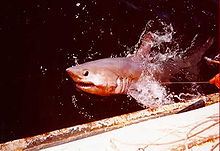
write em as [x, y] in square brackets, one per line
[193, 82]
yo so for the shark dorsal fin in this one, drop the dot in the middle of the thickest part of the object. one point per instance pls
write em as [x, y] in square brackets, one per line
[143, 46]
[146, 40]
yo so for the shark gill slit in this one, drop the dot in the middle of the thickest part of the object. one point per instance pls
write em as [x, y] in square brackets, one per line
[118, 86]
[121, 84]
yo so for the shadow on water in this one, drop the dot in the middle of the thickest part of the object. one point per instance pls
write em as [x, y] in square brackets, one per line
[42, 38]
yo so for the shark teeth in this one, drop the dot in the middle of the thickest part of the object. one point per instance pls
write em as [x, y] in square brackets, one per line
[84, 84]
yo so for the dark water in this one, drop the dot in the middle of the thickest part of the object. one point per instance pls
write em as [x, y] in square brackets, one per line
[39, 38]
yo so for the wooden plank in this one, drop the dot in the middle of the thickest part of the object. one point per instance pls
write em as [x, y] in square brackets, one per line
[194, 130]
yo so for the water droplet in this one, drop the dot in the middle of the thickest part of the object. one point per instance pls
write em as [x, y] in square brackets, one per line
[84, 7]
[77, 4]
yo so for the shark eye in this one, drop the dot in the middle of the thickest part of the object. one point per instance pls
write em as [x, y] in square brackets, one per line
[86, 73]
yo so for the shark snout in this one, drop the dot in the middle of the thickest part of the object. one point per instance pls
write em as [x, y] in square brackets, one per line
[71, 73]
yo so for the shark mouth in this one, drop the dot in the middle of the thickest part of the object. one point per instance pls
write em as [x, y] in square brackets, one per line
[84, 84]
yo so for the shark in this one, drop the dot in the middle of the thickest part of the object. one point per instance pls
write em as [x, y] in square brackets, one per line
[111, 76]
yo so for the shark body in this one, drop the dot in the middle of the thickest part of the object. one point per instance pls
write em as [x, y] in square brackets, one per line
[111, 76]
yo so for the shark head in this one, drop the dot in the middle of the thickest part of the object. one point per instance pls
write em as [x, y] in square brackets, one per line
[104, 77]
[94, 77]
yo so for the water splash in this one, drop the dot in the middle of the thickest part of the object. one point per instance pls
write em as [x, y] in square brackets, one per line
[181, 96]
[73, 58]
[149, 92]
[81, 110]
